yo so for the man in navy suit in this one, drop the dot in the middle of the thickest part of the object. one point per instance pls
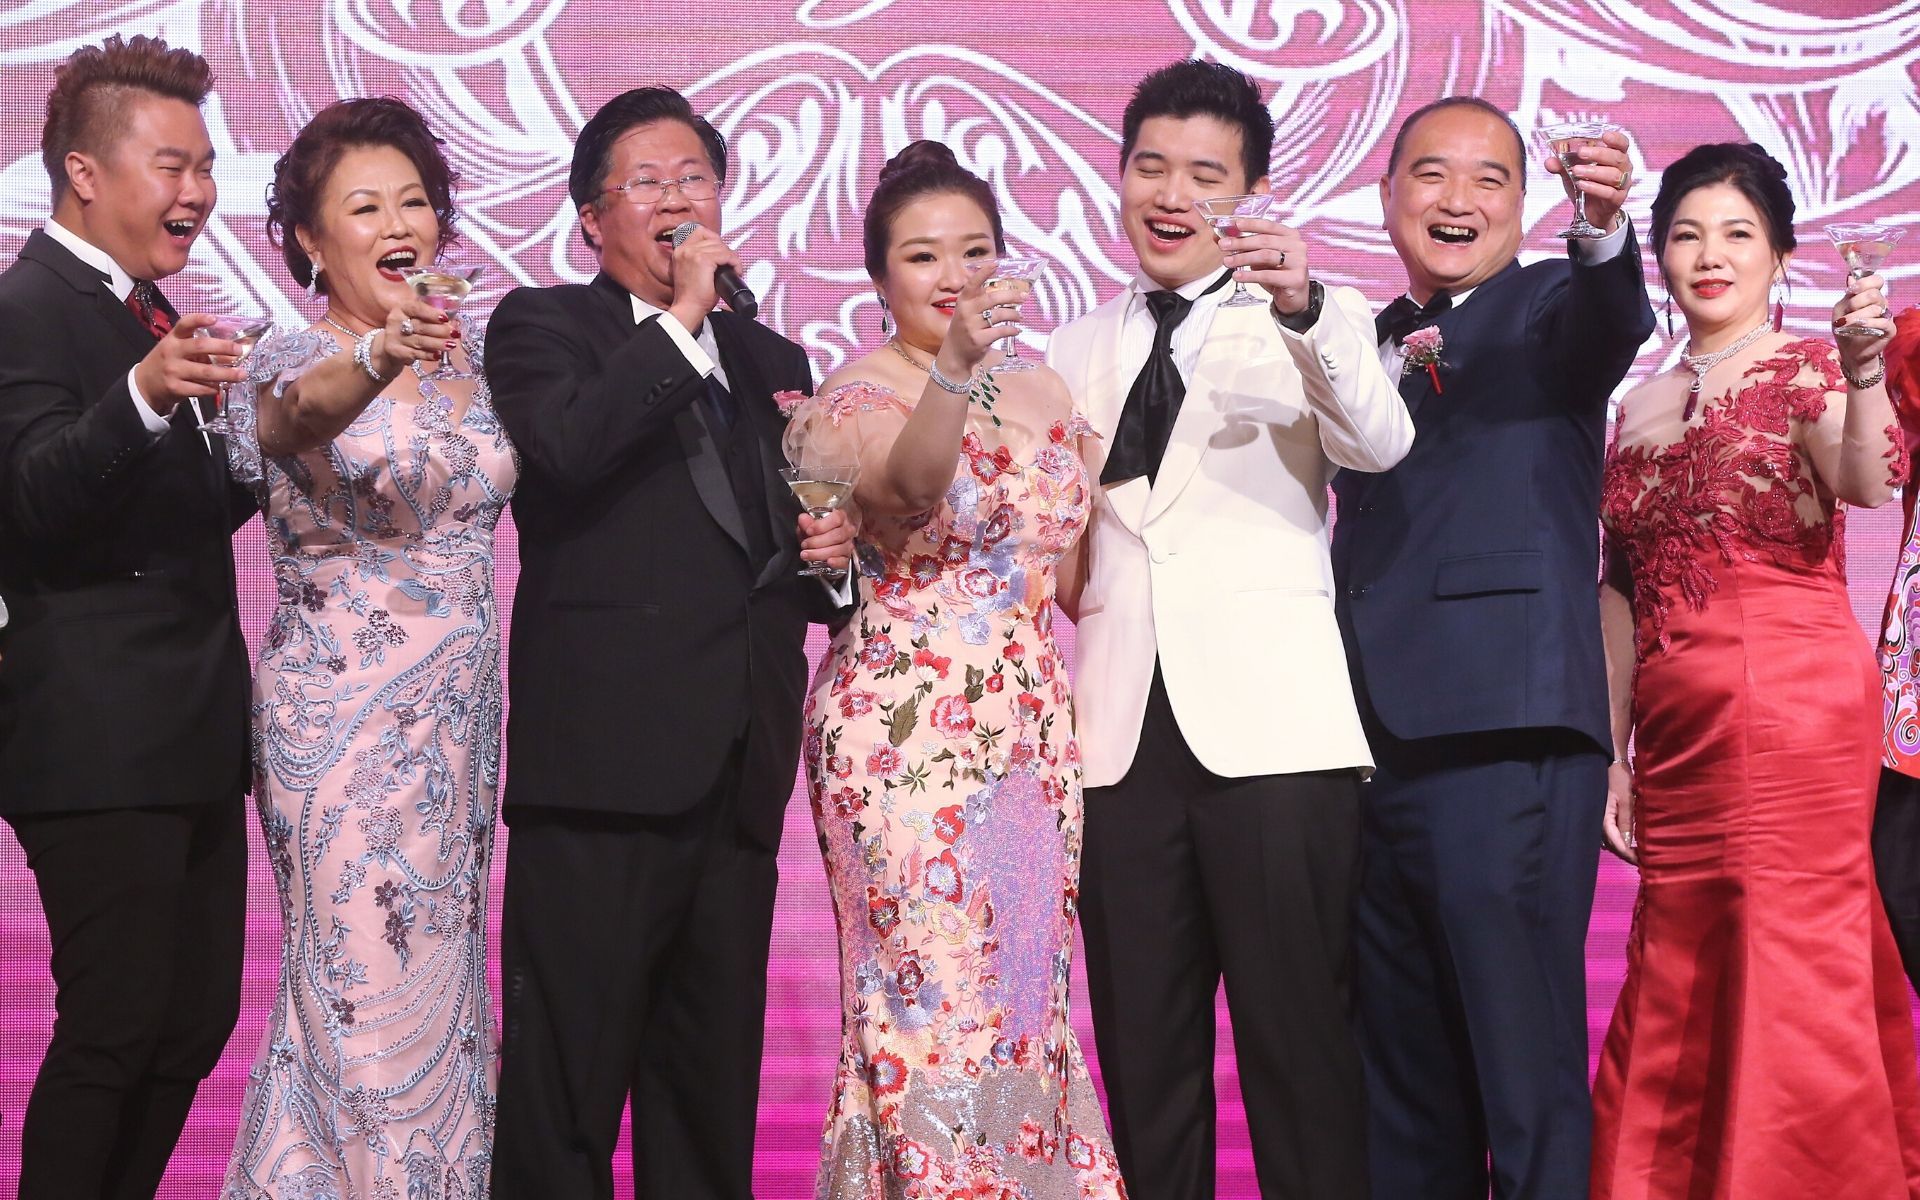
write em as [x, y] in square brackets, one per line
[1466, 592]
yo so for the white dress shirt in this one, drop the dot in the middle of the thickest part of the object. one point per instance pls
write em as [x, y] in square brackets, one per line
[1589, 252]
[121, 284]
[1136, 333]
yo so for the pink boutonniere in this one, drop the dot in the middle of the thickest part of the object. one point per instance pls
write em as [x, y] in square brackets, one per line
[788, 401]
[1423, 347]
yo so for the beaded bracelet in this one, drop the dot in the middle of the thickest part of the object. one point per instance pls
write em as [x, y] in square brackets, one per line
[363, 357]
[1861, 385]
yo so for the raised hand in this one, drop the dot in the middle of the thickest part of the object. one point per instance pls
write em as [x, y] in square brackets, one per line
[181, 365]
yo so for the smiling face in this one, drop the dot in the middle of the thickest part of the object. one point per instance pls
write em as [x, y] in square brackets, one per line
[1452, 200]
[636, 240]
[934, 240]
[1719, 261]
[1176, 161]
[145, 198]
[374, 218]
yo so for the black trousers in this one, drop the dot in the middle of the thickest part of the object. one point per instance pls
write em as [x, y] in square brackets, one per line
[1481, 856]
[1187, 877]
[634, 960]
[146, 913]
[1896, 862]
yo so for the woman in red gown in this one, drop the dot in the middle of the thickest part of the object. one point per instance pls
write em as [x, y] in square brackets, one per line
[1762, 1047]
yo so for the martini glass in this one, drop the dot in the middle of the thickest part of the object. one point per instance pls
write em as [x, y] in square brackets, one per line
[1018, 273]
[821, 490]
[246, 328]
[1864, 247]
[1223, 213]
[444, 285]
[1564, 139]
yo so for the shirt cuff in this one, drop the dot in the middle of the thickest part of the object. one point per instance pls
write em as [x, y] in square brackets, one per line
[155, 423]
[1591, 252]
[697, 358]
[840, 589]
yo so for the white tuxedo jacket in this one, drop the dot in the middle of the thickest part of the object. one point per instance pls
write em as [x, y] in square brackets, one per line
[1220, 566]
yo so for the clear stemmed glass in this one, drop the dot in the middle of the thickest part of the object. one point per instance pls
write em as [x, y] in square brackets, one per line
[245, 328]
[1223, 213]
[1018, 272]
[1865, 248]
[1561, 139]
[444, 285]
[821, 490]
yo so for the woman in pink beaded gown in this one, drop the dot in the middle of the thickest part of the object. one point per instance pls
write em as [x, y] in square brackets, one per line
[940, 751]
[1761, 1049]
[376, 711]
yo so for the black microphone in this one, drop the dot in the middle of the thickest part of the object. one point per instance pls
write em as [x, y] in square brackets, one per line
[726, 280]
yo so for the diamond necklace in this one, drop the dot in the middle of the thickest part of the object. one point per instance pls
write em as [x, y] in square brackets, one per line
[1700, 364]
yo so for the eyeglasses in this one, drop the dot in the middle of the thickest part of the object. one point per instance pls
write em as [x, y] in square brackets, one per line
[651, 191]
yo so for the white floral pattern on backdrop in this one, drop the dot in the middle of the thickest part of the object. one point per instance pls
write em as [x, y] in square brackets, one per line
[814, 96]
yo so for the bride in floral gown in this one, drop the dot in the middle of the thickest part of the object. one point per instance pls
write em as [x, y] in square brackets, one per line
[940, 750]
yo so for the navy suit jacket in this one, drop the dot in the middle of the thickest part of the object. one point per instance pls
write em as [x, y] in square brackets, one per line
[1467, 576]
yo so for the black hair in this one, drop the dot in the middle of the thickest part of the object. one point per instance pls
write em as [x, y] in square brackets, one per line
[922, 169]
[593, 150]
[1757, 174]
[1192, 88]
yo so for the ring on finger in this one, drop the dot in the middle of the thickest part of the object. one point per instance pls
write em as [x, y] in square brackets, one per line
[406, 326]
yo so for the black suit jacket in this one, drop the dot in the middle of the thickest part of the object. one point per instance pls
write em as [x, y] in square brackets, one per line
[1467, 576]
[646, 642]
[124, 681]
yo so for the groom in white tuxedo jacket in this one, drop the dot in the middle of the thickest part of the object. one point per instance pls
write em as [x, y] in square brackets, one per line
[1222, 748]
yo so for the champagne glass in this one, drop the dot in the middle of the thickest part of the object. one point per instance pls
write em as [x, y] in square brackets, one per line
[1864, 247]
[1223, 213]
[1562, 139]
[1017, 272]
[821, 490]
[246, 328]
[444, 285]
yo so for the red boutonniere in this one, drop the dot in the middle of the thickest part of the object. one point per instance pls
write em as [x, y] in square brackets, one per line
[1423, 347]
[788, 401]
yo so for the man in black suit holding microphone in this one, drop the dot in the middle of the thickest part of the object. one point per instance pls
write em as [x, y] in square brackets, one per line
[123, 696]
[657, 678]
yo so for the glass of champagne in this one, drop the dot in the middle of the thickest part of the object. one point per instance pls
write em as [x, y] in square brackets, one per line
[1567, 138]
[1864, 247]
[1223, 213]
[1017, 271]
[444, 284]
[821, 490]
[246, 328]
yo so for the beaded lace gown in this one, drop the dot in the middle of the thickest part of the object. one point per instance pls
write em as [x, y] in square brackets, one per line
[945, 786]
[376, 741]
[1762, 1048]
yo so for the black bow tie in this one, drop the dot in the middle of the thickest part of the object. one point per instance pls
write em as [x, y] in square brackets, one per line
[1403, 316]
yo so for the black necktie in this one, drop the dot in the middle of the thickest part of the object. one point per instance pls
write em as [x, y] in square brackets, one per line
[739, 446]
[1153, 403]
[1403, 316]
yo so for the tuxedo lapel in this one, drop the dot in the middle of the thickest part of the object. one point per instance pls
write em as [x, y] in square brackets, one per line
[747, 380]
[1105, 398]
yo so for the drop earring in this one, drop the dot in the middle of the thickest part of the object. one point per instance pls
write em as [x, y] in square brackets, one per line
[886, 320]
[313, 283]
[1669, 308]
[1779, 308]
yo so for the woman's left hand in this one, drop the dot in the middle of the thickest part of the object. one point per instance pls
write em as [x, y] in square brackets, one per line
[1863, 307]
[828, 539]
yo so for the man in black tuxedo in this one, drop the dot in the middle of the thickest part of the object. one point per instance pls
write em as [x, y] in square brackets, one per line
[1466, 579]
[123, 694]
[657, 678]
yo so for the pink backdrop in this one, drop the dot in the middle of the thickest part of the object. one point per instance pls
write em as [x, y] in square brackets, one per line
[814, 95]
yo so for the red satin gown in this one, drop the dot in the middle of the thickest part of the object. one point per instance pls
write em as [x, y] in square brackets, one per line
[1762, 1046]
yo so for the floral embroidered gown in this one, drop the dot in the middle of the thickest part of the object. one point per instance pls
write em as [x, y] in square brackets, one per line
[376, 739]
[945, 785]
[1762, 1048]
